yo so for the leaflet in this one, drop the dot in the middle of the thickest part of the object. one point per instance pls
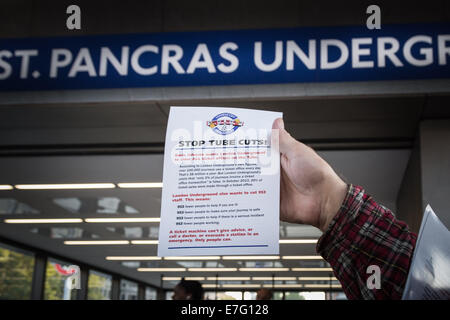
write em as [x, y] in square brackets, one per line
[221, 183]
[429, 275]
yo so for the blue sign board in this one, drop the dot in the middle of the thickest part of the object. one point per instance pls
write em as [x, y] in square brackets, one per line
[316, 54]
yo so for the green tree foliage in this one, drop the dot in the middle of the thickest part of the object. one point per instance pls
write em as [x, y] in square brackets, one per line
[99, 287]
[294, 296]
[54, 284]
[16, 274]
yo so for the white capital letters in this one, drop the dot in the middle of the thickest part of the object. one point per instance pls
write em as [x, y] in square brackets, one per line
[383, 52]
[324, 44]
[107, 56]
[223, 52]
[83, 63]
[56, 63]
[277, 61]
[201, 59]
[5, 65]
[168, 60]
[135, 60]
[426, 52]
[25, 54]
[308, 60]
[357, 52]
[443, 50]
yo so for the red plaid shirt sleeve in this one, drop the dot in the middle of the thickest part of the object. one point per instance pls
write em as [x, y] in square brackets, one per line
[364, 233]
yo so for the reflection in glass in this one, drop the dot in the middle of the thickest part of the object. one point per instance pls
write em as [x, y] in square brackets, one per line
[108, 205]
[312, 264]
[150, 293]
[278, 295]
[128, 290]
[312, 295]
[136, 232]
[16, 273]
[209, 295]
[293, 295]
[99, 286]
[289, 230]
[200, 264]
[128, 232]
[249, 295]
[12, 206]
[260, 264]
[131, 264]
[304, 295]
[338, 296]
[190, 264]
[57, 233]
[227, 295]
[153, 232]
[64, 233]
[57, 279]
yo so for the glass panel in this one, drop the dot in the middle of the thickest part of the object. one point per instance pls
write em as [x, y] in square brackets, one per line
[338, 296]
[150, 293]
[59, 233]
[57, 281]
[292, 295]
[209, 295]
[229, 295]
[312, 264]
[153, 232]
[278, 295]
[12, 206]
[261, 264]
[135, 232]
[190, 264]
[169, 295]
[85, 233]
[200, 264]
[289, 230]
[108, 205]
[313, 295]
[249, 295]
[99, 286]
[131, 264]
[128, 290]
[16, 273]
[304, 295]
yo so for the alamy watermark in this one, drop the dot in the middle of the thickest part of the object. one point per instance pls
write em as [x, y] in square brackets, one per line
[374, 280]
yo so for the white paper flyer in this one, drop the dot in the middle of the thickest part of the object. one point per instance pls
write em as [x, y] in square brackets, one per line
[221, 183]
[429, 274]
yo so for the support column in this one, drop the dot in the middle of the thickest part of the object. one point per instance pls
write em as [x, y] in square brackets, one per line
[409, 199]
[141, 292]
[435, 164]
[38, 282]
[82, 293]
[115, 290]
[160, 294]
[427, 177]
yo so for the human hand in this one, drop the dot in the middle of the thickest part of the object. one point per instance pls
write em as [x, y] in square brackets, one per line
[310, 191]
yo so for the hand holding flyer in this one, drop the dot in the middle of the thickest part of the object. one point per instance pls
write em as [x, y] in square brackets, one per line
[221, 183]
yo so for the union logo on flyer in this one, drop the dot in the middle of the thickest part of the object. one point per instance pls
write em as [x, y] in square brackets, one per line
[224, 123]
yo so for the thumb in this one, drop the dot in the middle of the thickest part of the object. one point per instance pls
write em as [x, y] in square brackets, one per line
[286, 142]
